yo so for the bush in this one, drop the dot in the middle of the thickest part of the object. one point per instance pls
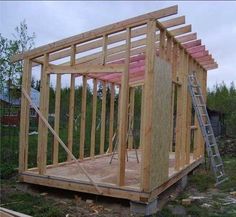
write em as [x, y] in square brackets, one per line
[7, 171]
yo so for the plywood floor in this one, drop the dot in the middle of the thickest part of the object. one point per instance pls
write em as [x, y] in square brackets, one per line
[101, 171]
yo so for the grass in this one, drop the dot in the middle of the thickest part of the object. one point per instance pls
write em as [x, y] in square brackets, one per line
[203, 182]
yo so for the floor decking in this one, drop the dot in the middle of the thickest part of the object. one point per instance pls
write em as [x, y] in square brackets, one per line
[101, 171]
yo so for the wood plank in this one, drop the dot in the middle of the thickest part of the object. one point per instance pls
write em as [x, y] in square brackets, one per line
[57, 119]
[147, 111]
[71, 104]
[131, 118]
[93, 128]
[78, 69]
[188, 116]
[103, 117]
[24, 117]
[71, 115]
[96, 33]
[111, 120]
[42, 129]
[122, 132]
[162, 45]
[179, 114]
[83, 118]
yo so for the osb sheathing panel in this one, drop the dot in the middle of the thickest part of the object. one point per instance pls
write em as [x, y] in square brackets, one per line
[161, 123]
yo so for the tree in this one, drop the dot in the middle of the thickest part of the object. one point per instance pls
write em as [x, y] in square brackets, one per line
[11, 73]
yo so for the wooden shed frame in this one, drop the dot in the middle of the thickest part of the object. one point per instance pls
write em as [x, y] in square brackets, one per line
[144, 51]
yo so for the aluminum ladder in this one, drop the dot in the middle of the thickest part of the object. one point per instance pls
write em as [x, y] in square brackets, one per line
[206, 129]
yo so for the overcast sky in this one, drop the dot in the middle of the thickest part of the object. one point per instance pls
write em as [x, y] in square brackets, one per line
[214, 22]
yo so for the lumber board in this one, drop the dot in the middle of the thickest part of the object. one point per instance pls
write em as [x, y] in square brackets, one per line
[147, 109]
[179, 113]
[111, 119]
[77, 69]
[96, 33]
[131, 118]
[24, 117]
[42, 129]
[122, 132]
[83, 118]
[71, 115]
[189, 115]
[103, 117]
[57, 119]
[93, 127]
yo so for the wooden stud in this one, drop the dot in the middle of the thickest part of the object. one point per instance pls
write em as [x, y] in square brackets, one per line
[122, 132]
[188, 116]
[71, 115]
[24, 120]
[104, 49]
[57, 118]
[111, 121]
[83, 118]
[71, 104]
[42, 129]
[162, 43]
[93, 129]
[131, 118]
[103, 118]
[147, 111]
[179, 113]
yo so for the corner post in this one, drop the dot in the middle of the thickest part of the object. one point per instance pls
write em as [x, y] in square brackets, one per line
[147, 112]
[24, 117]
[122, 130]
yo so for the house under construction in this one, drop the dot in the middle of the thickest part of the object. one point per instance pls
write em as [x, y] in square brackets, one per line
[155, 52]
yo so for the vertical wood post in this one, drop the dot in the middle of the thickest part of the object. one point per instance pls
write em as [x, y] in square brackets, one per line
[93, 129]
[57, 118]
[111, 122]
[147, 109]
[83, 118]
[131, 118]
[181, 104]
[43, 130]
[24, 118]
[188, 114]
[103, 118]
[71, 104]
[141, 120]
[122, 133]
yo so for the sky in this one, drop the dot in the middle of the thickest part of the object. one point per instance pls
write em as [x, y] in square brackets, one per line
[214, 23]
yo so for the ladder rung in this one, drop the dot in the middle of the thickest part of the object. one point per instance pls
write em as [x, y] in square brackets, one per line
[218, 177]
[215, 155]
[204, 114]
[195, 85]
[201, 105]
[218, 165]
[223, 180]
[211, 134]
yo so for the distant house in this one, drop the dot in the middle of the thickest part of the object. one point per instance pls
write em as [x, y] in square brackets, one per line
[217, 122]
[12, 116]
